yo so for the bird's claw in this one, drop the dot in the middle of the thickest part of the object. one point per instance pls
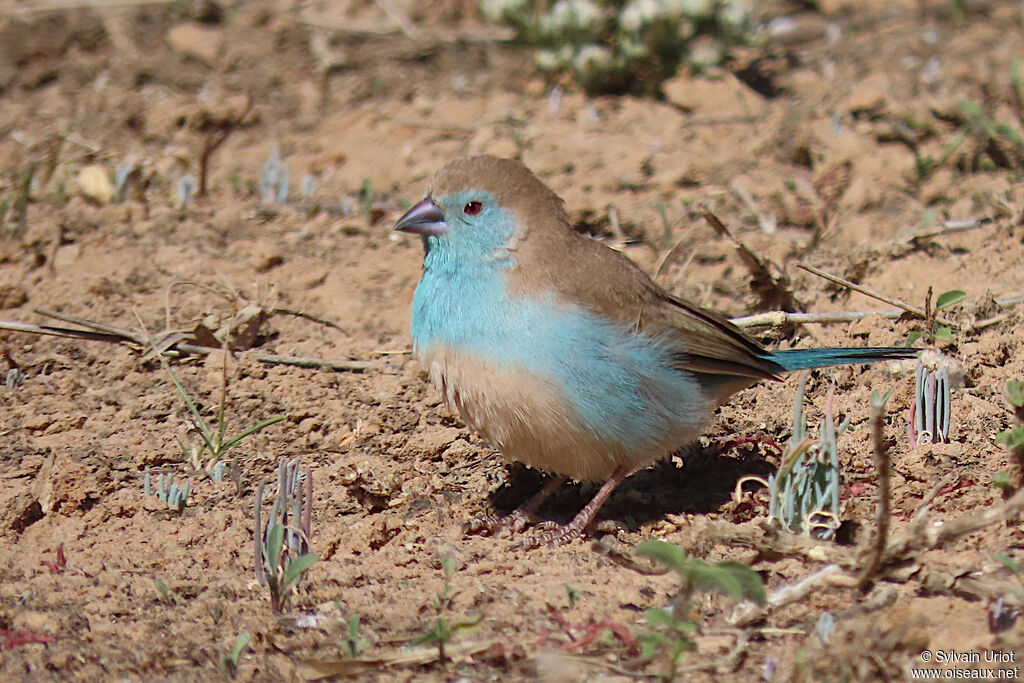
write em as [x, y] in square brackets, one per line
[492, 525]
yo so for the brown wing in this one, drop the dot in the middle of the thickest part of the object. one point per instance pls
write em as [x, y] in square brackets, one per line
[606, 282]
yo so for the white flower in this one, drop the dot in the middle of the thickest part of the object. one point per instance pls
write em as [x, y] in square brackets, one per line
[568, 14]
[638, 13]
[495, 10]
[696, 8]
[592, 59]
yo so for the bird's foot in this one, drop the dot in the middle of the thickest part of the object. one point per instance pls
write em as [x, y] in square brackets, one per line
[760, 438]
[492, 525]
[562, 534]
[520, 518]
[554, 534]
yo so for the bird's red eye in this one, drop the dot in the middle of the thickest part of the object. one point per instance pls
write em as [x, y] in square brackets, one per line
[472, 208]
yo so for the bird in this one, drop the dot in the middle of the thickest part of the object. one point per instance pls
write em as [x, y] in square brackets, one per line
[559, 350]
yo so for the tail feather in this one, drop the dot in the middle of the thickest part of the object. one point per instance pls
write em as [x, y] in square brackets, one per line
[803, 359]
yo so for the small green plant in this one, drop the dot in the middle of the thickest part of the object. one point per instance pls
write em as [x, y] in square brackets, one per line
[230, 659]
[353, 644]
[366, 198]
[620, 46]
[926, 166]
[935, 377]
[166, 596]
[171, 494]
[1001, 142]
[933, 332]
[209, 454]
[573, 594]
[443, 599]
[282, 545]
[1002, 617]
[674, 628]
[186, 191]
[805, 489]
[441, 631]
[1014, 438]
[274, 178]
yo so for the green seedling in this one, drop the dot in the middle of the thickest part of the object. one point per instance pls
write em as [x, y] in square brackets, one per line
[282, 546]
[443, 599]
[215, 442]
[165, 594]
[366, 198]
[274, 178]
[989, 132]
[171, 494]
[353, 644]
[441, 631]
[935, 378]
[230, 659]
[933, 332]
[573, 594]
[1014, 438]
[805, 489]
[674, 628]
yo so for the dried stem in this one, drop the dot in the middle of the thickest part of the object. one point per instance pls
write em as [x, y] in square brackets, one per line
[214, 139]
[920, 312]
[882, 468]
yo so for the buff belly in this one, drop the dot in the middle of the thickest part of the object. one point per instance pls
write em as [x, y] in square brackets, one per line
[530, 419]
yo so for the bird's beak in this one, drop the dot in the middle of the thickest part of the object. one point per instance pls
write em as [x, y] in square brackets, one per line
[426, 218]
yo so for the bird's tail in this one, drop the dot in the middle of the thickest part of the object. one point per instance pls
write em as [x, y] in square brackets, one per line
[802, 359]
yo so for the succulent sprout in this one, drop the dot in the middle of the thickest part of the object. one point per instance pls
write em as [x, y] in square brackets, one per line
[936, 376]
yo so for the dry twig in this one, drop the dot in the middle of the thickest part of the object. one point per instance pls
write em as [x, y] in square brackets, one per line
[920, 312]
[882, 469]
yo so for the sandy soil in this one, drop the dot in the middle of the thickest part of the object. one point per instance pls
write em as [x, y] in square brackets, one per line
[827, 133]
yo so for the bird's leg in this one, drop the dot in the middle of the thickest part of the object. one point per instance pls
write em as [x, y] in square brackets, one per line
[757, 439]
[520, 517]
[583, 518]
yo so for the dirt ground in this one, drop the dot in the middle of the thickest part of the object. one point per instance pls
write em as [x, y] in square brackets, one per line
[842, 142]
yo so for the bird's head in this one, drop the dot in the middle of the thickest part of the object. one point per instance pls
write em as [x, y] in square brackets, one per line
[477, 208]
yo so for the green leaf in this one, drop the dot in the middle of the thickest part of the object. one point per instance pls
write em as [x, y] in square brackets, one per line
[750, 581]
[672, 556]
[438, 634]
[1009, 563]
[950, 298]
[913, 337]
[1001, 480]
[225, 447]
[707, 578]
[650, 643]
[573, 594]
[240, 642]
[660, 618]
[447, 566]
[466, 624]
[1012, 438]
[880, 399]
[944, 335]
[272, 549]
[293, 572]
[1015, 392]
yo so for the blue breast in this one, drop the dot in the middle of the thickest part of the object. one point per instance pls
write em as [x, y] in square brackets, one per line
[620, 384]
